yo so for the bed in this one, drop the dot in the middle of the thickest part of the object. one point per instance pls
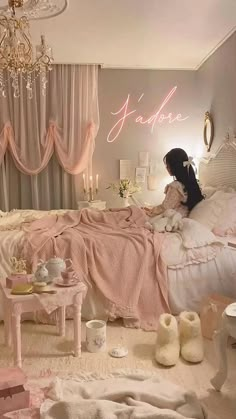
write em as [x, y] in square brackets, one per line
[192, 275]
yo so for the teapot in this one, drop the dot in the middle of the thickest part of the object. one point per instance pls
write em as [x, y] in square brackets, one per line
[41, 274]
[56, 265]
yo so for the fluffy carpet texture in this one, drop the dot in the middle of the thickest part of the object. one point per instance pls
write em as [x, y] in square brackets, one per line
[123, 396]
[46, 355]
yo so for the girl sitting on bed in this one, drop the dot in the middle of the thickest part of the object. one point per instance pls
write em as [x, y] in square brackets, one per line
[183, 193]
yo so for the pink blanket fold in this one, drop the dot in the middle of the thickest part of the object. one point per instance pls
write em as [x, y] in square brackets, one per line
[113, 251]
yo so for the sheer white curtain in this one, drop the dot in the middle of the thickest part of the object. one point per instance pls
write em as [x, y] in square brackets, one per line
[51, 189]
[47, 142]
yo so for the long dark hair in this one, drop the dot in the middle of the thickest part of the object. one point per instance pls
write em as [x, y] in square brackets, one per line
[174, 160]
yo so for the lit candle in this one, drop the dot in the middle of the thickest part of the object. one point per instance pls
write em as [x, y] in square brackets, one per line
[91, 182]
[96, 182]
[84, 182]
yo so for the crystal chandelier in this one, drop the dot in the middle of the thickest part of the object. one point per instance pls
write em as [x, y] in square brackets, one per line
[17, 57]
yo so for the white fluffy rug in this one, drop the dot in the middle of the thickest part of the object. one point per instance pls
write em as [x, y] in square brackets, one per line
[124, 394]
[120, 396]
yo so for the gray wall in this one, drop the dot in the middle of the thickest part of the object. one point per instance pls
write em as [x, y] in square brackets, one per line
[216, 81]
[114, 86]
[212, 88]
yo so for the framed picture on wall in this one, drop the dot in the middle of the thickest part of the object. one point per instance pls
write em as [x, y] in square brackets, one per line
[125, 169]
[143, 158]
[140, 174]
[152, 182]
[153, 168]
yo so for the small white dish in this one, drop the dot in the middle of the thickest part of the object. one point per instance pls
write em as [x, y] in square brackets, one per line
[118, 352]
[231, 310]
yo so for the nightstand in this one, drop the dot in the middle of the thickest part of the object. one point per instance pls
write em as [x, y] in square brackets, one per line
[101, 205]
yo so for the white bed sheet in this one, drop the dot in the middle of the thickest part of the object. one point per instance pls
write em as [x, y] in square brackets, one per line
[187, 286]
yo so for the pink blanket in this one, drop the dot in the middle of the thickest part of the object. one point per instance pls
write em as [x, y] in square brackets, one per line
[113, 251]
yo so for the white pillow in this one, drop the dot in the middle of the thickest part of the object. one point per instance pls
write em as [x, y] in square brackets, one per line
[209, 211]
[226, 224]
[193, 245]
[223, 195]
[208, 191]
[195, 235]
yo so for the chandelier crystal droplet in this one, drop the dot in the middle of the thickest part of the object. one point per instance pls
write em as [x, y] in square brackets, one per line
[19, 65]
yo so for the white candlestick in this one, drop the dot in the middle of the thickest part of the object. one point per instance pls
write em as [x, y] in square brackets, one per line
[84, 181]
[97, 182]
[91, 182]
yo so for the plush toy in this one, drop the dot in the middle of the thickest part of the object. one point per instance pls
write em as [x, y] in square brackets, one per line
[170, 220]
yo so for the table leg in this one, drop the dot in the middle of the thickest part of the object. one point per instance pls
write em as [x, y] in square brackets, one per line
[62, 315]
[7, 323]
[16, 334]
[220, 340]
[77, 326]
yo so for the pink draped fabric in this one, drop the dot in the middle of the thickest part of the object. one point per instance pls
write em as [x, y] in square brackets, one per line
[66, 121]
[53, 140]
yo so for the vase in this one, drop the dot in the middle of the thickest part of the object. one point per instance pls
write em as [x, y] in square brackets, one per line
[125, 202]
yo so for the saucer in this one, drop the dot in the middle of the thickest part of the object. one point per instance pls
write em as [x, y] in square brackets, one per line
[118, 352]
[71, 283]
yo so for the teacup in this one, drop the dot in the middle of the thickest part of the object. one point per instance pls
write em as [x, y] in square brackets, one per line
[67, 276]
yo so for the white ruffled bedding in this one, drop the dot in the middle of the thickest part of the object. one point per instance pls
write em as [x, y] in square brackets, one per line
[198, 264]
[193, 245]
[16, 219]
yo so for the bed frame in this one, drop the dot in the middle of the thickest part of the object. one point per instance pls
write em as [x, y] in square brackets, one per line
[220, 168]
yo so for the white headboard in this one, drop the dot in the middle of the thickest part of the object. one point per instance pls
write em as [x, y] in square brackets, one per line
[220, 168]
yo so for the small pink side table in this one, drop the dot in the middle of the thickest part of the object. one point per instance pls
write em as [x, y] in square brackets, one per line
[15, 305]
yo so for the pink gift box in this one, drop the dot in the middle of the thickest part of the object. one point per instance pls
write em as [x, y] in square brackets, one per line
[12, 280]
[13, 396]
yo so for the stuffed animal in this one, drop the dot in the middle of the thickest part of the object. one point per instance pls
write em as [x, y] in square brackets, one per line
[169, 220]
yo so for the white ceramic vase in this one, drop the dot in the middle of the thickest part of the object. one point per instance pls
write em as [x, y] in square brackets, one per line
[96, 336]
[124, 202]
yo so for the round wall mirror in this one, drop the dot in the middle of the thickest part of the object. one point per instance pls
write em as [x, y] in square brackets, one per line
[208, 132]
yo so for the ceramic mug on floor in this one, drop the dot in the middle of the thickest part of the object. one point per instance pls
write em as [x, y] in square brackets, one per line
[96, 335]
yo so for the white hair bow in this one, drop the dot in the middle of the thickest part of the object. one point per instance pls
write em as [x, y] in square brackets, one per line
[189, 162]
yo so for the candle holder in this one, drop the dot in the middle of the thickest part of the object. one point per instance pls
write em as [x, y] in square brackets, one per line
[90, 194]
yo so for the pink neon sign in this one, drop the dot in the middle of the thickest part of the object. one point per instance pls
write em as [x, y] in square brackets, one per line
[123, 113]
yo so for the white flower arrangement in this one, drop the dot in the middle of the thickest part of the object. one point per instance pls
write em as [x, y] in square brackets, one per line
[125, 188]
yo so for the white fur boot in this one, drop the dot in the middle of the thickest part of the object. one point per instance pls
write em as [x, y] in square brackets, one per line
[191, 341]
[167, 345]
